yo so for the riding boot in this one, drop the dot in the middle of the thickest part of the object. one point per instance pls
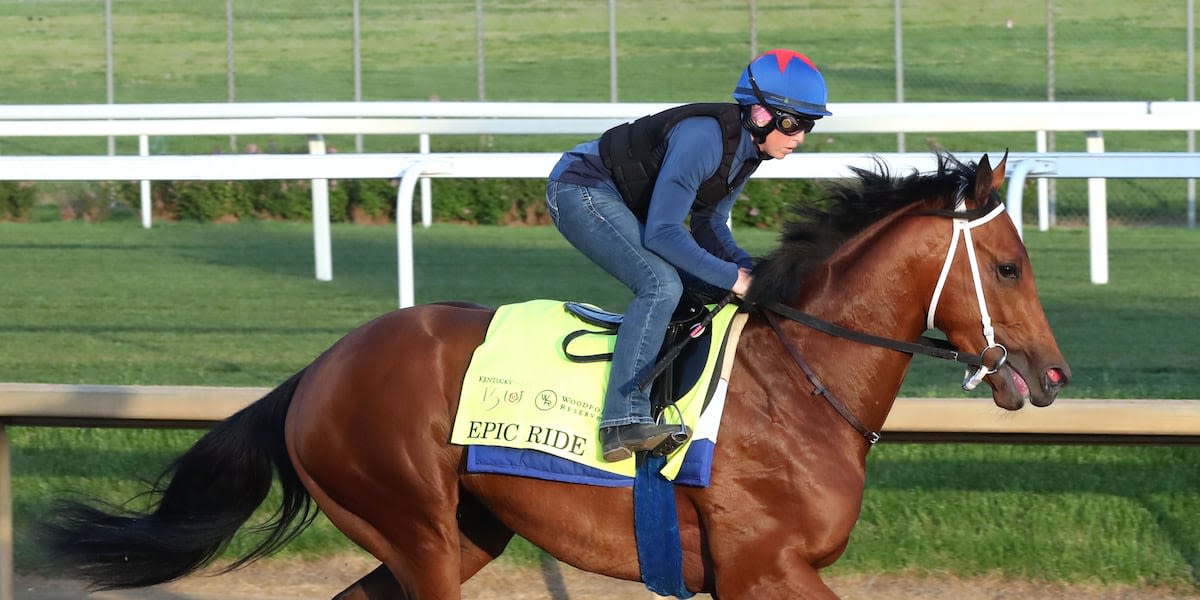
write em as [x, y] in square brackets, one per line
[621, 441]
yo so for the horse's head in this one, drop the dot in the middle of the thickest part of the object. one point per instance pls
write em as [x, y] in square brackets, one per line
[985, 298]
[895, 256]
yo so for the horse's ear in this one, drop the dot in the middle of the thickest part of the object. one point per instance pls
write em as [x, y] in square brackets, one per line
[988, 180]
[983, 179]
[998, 172]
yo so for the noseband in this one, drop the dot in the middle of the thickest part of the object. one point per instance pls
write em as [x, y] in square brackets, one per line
[977, 367]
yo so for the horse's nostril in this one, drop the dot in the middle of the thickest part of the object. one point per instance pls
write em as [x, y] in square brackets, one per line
[1056, 377]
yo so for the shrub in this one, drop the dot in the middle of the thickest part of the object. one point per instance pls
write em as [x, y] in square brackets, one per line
[489, 201]
[368, 200]
[207, 200]
[16, 200]
[287, 200]
[764, 202]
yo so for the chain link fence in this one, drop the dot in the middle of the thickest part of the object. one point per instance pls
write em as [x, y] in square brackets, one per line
[95, 51]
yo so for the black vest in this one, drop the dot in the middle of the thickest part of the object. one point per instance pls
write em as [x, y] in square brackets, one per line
[633, 153]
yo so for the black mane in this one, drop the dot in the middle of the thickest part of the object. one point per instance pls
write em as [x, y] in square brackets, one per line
[815, 229]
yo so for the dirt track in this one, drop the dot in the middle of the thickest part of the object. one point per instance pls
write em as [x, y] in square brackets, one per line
[280, 580]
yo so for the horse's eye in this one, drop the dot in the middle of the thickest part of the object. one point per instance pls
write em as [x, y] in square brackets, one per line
[1009, 270]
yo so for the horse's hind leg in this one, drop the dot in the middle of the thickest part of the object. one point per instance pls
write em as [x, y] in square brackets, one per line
[404, 520]
[422, 562]
[482, 538]
[380, 584]
[367, 432]
[376, 585]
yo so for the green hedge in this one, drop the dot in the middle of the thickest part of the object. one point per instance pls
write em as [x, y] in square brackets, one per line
[17, 199]
[472, 201]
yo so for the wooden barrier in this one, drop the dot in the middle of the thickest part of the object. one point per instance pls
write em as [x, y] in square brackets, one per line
[975, 420]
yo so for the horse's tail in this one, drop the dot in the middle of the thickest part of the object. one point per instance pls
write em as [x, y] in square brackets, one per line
[199, 502]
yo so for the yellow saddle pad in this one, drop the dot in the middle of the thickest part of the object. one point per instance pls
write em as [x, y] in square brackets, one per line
[522, 392]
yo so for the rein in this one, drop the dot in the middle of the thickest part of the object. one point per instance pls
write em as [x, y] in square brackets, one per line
[928, 346]
[818, 387]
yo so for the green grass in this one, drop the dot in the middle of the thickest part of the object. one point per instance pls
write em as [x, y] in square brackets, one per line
[1047, 513]
[237, 304]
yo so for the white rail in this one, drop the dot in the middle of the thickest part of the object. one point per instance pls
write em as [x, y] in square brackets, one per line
[410, 168]
[426, 118]
[576, 117]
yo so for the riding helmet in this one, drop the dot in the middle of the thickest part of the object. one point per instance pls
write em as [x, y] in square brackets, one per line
[788, 80]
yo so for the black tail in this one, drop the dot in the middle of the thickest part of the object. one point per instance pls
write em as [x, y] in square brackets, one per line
[200, 501]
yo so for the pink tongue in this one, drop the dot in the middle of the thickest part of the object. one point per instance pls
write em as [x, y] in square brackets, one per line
[1022, 386]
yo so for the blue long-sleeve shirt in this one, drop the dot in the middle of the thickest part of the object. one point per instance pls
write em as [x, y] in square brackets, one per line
[693, 153]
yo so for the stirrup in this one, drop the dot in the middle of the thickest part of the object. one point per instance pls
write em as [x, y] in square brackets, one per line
[673, 442]
[676, 439]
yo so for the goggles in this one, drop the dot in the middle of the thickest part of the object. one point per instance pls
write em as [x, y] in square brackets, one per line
[791, 124]
[788, 123]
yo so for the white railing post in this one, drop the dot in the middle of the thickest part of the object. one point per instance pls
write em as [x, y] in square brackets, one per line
[1016, 193]
[426, 187]
[147, 201]
[404, 237]
[1043, 187]
[322, 248]
[404, 226]
[1098, 214]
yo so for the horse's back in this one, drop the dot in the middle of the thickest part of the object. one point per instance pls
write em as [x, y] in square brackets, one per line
[412, 356]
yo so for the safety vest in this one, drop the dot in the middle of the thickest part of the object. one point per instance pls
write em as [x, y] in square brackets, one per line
[633, 153]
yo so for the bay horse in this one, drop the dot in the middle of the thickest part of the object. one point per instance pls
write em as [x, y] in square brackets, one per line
[363, 430]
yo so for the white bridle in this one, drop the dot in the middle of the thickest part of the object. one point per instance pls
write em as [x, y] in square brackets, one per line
[974, 374]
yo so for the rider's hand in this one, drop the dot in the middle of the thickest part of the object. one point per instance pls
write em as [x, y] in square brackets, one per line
[743, 283]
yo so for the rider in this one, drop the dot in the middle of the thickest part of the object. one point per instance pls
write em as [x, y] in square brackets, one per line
[623, 200]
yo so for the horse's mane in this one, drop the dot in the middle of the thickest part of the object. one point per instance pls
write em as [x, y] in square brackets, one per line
[816, 228]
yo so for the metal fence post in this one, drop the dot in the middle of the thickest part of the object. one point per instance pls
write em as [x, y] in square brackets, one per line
[147, 201]
[1098, 214]
[320, 216]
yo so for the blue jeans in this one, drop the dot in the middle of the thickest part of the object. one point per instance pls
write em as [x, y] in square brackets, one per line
[597, 222]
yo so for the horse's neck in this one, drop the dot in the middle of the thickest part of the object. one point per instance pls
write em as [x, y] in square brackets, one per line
[869, 285]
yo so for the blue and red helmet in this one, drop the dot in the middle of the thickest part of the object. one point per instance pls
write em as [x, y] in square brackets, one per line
[785, 80]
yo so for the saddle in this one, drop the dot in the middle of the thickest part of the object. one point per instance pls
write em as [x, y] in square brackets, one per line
[680, 362]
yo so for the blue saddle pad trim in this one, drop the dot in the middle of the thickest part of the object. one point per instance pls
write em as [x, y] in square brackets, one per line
[696, 469]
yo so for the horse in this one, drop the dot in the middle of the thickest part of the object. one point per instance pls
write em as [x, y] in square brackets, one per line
[835, 315]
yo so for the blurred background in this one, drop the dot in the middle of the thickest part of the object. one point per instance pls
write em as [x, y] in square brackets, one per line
[151, 51]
